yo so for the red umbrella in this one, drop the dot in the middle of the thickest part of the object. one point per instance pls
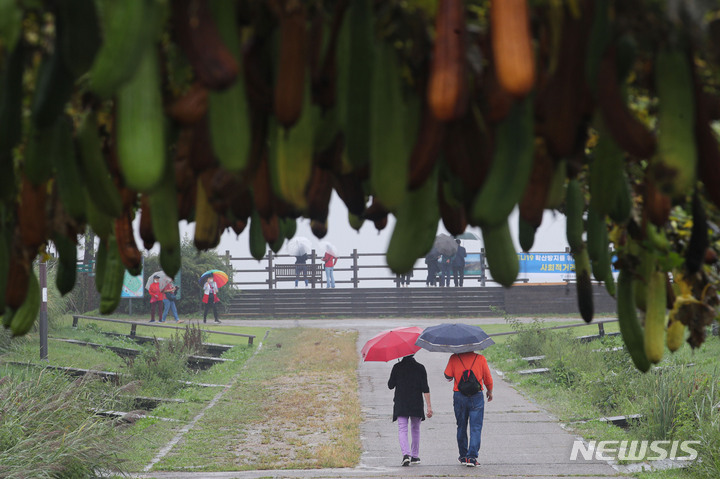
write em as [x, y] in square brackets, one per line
[392, 344]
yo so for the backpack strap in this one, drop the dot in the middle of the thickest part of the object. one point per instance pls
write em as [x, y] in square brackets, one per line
[471, 364]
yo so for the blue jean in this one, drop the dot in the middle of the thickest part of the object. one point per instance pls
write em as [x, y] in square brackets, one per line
[330, 276]
[469, 409]
[169, 305]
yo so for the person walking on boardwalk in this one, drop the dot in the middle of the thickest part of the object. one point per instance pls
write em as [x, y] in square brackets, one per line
[409, 379]
[210, 298]
[458, 264]
[470, 372]
[330, 261]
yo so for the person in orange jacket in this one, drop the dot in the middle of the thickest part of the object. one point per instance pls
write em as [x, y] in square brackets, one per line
[469, 409]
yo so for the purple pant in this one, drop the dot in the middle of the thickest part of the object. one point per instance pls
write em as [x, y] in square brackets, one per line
[414, 432]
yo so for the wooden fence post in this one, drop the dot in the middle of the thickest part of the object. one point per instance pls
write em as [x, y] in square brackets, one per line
[313, 269]
[483, 277]
[227, 263]
[271, 280]
[355, 279]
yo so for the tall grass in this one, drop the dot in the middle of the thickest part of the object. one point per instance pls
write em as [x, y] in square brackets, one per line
[49, 431]
[707, 414]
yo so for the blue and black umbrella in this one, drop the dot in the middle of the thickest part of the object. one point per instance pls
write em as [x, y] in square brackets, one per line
[454, 338]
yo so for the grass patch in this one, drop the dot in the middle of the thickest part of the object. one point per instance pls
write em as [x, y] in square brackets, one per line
[295, 406]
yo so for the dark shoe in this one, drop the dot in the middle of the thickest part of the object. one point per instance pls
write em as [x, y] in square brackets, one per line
[217, 320]
[414, 460]
[471, 462]
[406, 460]
[204, 320]
[151, 321]
[462, 460]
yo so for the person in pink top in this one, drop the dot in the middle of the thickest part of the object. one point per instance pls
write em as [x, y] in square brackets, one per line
[330, 262]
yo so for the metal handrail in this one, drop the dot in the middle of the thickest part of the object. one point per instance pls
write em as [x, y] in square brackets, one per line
[135, 324]
[601, 329]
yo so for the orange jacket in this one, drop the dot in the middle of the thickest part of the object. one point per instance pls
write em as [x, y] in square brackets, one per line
[460, 362]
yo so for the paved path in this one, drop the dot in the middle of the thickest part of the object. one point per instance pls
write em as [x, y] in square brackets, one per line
[520, 440]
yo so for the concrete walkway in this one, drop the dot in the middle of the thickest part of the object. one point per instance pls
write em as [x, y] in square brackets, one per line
[520, 440]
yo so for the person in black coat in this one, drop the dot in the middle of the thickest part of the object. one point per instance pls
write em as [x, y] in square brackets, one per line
[458, 264]
[409, 379]
[301, 267]
[431, 260]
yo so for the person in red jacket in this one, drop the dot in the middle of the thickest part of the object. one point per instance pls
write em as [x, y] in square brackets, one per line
[330, 262]
[156, 299]
[210, 298]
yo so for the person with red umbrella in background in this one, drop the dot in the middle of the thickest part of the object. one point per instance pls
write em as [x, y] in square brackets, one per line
[210, 297]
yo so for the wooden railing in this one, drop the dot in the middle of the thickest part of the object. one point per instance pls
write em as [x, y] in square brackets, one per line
[371, 269]
[352, 269]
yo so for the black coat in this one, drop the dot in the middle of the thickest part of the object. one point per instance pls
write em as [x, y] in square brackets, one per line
[409, 379]
[458, 260]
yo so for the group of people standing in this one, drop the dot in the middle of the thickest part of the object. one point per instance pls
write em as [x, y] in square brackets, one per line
[167, 296]
[409, 380]
[301, 268]
[446, 266]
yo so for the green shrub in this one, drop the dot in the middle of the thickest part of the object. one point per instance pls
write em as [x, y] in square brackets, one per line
[165, 364]
[530, 338]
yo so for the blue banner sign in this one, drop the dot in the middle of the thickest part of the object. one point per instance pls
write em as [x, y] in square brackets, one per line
[531, 263]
